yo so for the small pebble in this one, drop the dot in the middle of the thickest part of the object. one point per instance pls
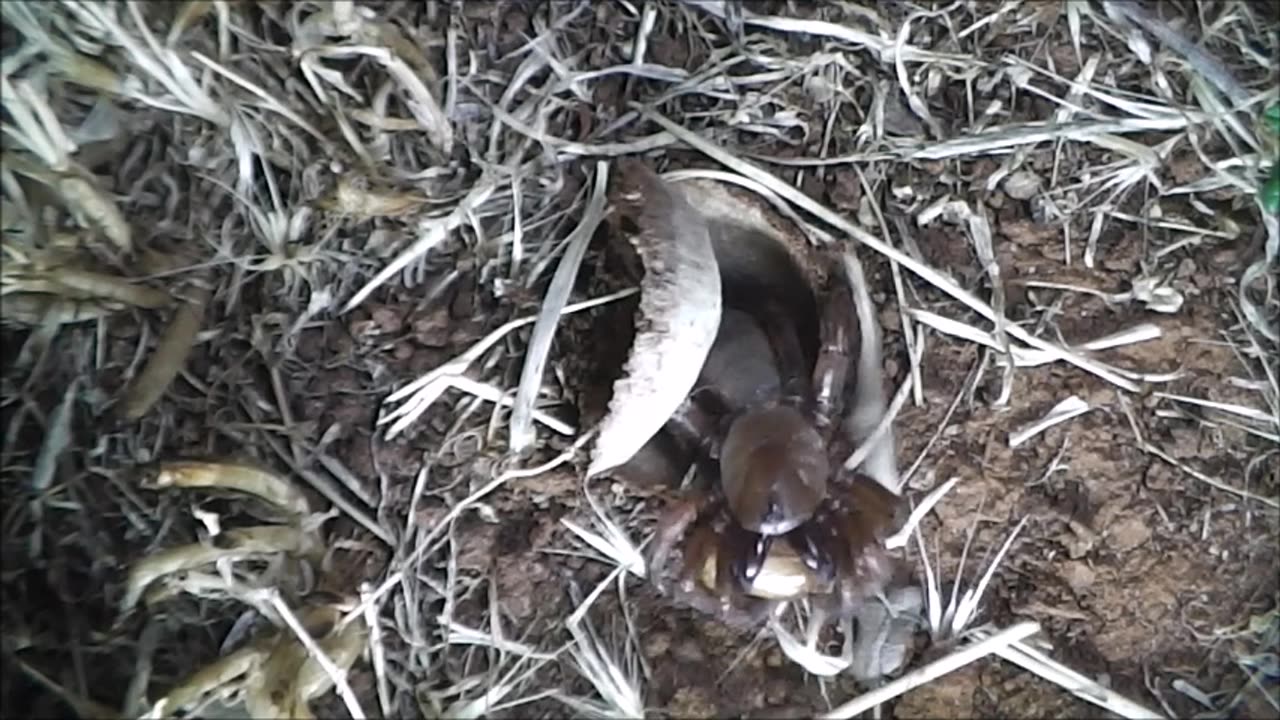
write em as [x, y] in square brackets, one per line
[689, 651]
[776, 691]
[1022, 185]
[657, 644]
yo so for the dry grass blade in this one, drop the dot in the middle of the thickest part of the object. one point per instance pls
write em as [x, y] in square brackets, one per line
[1263, 269]
[232, 545]
[1005, 138]
[1148, 447]
[135, 697]
[873, 452]
[431, 233]
[1243, 411]
[887, 50]
[377, 651]
[494, 395]
[332, 491]
[496, 682]
[614, 542]
[1060, 413]
[421, 103]
[264, 97]
[1204, 62]
[936, 669]
[806, 653]
[521, 434]
[1026, 357]
[620, 692]
[161, 64]
[168, 357]
[84, 285]
[492, 699]
[196, 690]
[959, 616]
[57, 439]
[899, 538]
[950, 621]
[870, 420]
[345, 642]
[38, 129]
[1028, 658]
[1023, 356]
[190, 474]
[461, 635]
[618, 687]
[38, 309]
[417, 396]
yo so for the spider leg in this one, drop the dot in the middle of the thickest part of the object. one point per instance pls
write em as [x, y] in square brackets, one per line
[659, 464]
[695, 424]
[701, 548]
[862, 515]
[784, 341]
[716, 595]
[672, 524]
[837, 330]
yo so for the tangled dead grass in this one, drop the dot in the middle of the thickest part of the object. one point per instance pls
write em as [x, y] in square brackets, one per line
[233, 230]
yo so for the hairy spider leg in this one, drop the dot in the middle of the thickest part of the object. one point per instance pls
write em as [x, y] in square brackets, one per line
[705, 544]
[780, 329]
[672, 525]
[838, 329]
[696, 423]
[702, 546]
[729, 545]
[860, 516]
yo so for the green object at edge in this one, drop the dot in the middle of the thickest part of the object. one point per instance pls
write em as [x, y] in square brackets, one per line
[1271, 191]
[1272, 116]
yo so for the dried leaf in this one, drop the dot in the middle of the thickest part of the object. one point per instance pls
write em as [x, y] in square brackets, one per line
[169, 356]
[677, 320]
[236, 476]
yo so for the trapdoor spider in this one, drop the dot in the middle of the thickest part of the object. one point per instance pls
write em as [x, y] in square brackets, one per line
[773, 515]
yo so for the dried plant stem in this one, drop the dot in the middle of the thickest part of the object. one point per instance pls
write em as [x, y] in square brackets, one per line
[336, 674]
[934, 670]
[1028, 658]
[521, 434]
